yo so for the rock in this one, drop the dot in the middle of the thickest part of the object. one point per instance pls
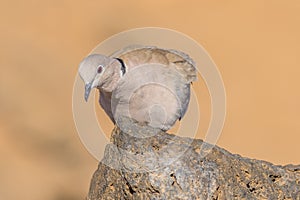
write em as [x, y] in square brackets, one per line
[164, 166]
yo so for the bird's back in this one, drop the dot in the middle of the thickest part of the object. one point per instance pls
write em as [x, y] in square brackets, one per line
[134, 56]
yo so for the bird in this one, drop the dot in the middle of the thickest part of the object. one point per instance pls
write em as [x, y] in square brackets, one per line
[146, 83]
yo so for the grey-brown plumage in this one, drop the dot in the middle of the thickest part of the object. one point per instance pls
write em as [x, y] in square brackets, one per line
[148, 84]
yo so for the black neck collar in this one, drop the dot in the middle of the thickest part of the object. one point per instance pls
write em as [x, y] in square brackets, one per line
[123, 67]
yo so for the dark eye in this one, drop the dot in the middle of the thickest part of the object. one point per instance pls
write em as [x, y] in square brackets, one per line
[100, 69]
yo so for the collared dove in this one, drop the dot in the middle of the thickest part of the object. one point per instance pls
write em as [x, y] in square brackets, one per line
[146, 83]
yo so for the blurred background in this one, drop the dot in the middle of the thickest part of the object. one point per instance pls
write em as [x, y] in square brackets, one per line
[255, 44]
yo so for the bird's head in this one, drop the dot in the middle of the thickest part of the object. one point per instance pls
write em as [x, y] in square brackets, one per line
[99, 71]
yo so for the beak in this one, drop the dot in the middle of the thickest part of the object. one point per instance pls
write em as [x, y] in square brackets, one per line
[87, 91]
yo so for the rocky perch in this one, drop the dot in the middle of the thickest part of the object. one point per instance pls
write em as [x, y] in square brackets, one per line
[144, 163]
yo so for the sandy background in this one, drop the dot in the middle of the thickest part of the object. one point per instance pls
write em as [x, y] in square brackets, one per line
[255, 44]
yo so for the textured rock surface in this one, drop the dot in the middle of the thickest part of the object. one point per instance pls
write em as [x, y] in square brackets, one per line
[164, 166]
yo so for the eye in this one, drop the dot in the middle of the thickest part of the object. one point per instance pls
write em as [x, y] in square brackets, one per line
[100, 69]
